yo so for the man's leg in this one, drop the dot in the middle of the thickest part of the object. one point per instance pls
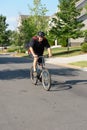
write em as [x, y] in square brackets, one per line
[34, 66]
[35, 63]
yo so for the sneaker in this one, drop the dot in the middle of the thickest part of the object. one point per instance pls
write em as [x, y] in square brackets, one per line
[35, 74]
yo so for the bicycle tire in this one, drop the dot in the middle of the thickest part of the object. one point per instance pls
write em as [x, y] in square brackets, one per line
[46, 79]
[33, 79]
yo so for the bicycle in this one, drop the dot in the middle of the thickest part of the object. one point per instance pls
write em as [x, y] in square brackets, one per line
[43, 74]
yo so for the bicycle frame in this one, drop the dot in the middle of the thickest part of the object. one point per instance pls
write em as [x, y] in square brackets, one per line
[42, 64]
[43, 74]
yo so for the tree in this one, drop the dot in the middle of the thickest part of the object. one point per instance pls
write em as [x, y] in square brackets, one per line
[65, 24]
[34, 22]
[4, 34]
[39, 15]
[27, 29]
[13, 37]
[85, 32]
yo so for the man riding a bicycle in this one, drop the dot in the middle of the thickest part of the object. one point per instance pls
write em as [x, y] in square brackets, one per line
[36, 46]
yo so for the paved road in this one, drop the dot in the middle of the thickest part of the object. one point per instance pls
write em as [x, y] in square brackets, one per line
[27, 107]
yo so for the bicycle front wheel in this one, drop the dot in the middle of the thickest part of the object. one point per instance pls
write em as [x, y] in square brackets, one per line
[46, 79]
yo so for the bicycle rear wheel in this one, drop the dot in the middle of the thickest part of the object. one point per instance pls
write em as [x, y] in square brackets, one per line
[46, 79]
[33, 79]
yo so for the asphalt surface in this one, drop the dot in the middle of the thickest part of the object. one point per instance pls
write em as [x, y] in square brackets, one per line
[24, 106]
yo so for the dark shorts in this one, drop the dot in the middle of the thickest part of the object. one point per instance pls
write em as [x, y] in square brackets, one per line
[40, 60]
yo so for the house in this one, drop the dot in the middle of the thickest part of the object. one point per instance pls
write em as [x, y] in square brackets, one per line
[20, 18]
[23, 17]
[83, 17]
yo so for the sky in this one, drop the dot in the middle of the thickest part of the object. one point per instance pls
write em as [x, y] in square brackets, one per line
[13, 8]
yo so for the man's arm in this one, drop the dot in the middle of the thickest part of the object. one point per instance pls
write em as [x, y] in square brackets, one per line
[49, 52]
[32, 52]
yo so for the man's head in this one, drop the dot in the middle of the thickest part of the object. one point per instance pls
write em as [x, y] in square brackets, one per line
[40, 36]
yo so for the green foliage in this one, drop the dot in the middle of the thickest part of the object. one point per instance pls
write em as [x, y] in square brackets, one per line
[86, 7]
[22, 50]
[84, 47]
[12, 49]
[27, 30]
[65, 23]
[35, 22]
[14, 38]
[38, 11]
[51, 38]
[63, 41]
[85, 35]
[4, 33]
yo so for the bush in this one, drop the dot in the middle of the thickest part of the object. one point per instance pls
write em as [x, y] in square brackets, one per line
[12, 49]
[63, 41]
[16, 49]
[84, 47]
[22, 50]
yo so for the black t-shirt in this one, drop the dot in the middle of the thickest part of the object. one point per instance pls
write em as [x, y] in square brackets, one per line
[39, 47]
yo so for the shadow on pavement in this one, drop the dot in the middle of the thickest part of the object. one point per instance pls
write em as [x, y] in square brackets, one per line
[59, 86]
[59, 78]
[64, 72]
[10, 60]
[8, 74]
[14, 74]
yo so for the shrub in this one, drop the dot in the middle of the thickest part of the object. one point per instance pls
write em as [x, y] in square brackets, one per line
[84, 47]
[22, 50]
[63, 41]
[12, 49]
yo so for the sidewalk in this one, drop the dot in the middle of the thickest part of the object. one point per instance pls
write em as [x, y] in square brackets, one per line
[64, 61]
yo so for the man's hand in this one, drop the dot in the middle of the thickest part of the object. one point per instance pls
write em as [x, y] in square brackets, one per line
[49, 52]
[32, 52]
[35, 56]
[50, 55]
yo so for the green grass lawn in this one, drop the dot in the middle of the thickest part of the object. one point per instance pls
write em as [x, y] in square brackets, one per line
[62, 52]
[80, 63]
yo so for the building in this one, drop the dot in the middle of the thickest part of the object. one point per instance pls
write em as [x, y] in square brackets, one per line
[23, 17]
[20, 19]
[83, 17]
